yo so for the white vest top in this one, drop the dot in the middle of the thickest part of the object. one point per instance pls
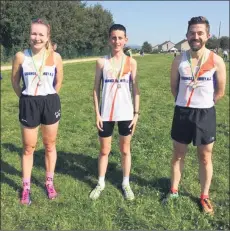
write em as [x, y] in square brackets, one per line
[201, 96]
[116, 103]
[30, 78]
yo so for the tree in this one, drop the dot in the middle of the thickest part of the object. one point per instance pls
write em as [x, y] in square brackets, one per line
[76, 28]
[147, 47]
[224, 42]
[212, 43]
[98, 21]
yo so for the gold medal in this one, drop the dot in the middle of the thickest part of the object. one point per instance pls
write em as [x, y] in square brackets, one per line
[194, 85]
[190, 84]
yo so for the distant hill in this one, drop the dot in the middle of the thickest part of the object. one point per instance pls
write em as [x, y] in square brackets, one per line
[134, 46]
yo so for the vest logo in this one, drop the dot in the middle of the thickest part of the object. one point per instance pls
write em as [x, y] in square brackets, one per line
[212, 138]
[57, 113]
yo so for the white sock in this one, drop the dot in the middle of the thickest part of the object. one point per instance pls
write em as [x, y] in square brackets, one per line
[125, 180]
[101, 181]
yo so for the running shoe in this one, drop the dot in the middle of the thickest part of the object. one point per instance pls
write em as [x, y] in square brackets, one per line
[25, 198]
[128, 193]
[51, 192]
[170, 195]
[96, 192]
[207, 206]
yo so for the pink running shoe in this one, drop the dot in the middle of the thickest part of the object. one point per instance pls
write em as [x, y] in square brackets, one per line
[51, 192]
[25, 199]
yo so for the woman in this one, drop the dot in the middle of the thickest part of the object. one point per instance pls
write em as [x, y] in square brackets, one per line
[41, 72]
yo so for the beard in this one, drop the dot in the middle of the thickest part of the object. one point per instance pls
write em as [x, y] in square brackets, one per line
[196, 44]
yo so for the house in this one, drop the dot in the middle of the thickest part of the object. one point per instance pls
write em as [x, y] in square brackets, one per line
[166, 46]
[182, 45]
[155, 47]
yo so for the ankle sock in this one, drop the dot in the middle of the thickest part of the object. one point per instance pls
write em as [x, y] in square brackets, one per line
[26, 183]
[101, 181]
[202, 196]
[173, 190]
[125, 180]
[49, 178]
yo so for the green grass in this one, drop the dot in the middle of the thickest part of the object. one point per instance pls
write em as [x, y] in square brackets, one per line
[76, 170]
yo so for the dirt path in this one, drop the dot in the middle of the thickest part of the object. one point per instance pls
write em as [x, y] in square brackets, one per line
[6, 68]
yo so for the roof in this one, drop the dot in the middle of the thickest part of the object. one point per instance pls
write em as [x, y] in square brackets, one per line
[182, 41]
[165, 43]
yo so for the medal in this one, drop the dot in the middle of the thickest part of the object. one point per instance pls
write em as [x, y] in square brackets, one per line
[190, 84]
[39, 83]
[195, 76]
[118, 85]
[194, 85]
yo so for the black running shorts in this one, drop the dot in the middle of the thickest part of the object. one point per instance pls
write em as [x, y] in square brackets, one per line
[194, 124]
[36, 110]
[108, 126]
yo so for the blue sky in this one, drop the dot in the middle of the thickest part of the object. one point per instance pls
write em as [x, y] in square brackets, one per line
[158, 21]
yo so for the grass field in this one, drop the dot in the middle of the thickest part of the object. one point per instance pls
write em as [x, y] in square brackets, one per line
[76, 170]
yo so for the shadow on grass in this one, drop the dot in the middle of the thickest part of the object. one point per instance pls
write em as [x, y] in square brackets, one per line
[7, 169]
[80, 166]
[83, 167]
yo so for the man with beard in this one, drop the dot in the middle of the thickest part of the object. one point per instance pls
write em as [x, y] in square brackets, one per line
[198, 78]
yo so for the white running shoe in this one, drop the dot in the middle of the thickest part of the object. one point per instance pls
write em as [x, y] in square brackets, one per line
[128, 193]
[96, 192]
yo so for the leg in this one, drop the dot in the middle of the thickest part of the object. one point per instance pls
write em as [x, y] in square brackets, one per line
[125, 143]
[126, 166]
[205, 166]
[105, 143]
[29, 138]
[105, 148]
[204, 140]
[181, 133]
[126, 154]
[205, 171]
[177, 163]
[105, 138]
[49, 134]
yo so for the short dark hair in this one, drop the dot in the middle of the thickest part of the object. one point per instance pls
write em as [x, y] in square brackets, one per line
[199, 20]
[117, 27]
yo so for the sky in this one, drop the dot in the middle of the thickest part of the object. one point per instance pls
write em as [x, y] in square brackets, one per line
[159, 21]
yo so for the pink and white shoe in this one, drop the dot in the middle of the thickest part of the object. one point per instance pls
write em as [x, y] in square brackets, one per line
[25, 198]
[51, 192]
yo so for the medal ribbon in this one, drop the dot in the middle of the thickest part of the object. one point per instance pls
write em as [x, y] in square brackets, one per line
[39, 73]
[122, 67]
[195, 76]
[201, 62]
